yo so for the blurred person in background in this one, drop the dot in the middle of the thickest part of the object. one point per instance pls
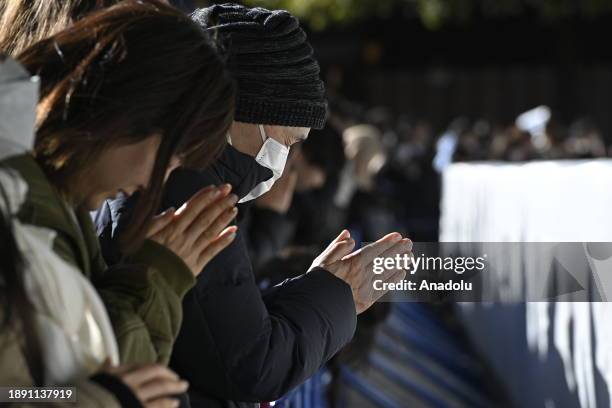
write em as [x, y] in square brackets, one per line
[365, 155]
[367, 211]
[585, 140]
[556, 134]
[512, 144]
[237, 346]
[411, 182]
[446, 145]
[473, 143]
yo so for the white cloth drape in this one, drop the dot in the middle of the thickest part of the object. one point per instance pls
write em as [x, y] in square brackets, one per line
[538, 348]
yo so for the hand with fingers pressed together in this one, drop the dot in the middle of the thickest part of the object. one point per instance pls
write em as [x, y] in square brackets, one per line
[356, 268]
[152, 384]
[199, 229]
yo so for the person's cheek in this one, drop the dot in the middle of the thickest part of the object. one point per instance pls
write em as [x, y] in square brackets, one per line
[110, 178]
[146, 171]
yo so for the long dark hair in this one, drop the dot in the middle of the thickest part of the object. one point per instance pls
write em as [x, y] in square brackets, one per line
[24, 22]
[120, 75]
[16, 310]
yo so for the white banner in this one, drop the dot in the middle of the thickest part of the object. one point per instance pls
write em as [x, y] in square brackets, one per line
[549, 354]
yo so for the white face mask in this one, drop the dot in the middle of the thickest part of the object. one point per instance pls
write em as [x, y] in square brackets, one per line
[272, 155]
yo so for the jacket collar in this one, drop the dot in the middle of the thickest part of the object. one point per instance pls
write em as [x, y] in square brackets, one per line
[240, 170]
[45, 207]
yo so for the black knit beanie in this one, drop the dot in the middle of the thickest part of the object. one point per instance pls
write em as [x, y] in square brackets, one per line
[268, 55]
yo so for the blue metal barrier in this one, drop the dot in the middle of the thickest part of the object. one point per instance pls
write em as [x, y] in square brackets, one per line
[417, 327]
[311, 394]
[367, 389]
[456, 385]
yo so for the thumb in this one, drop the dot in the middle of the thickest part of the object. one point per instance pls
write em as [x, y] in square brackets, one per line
[161, 221]
[344, 235]
[340, 249]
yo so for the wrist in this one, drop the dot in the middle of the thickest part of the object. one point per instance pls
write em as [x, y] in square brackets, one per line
[118, 388]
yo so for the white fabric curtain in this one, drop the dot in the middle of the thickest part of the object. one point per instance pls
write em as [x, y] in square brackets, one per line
[549, 354]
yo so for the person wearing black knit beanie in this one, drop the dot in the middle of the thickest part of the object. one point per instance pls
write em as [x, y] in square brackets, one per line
[281, 96]
[270, 58]
[237, 346]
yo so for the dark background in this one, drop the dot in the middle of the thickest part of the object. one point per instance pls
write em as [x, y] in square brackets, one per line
[491, 69]
[480, 66]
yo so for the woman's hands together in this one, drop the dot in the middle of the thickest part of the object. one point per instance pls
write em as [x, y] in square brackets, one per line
[199, 229]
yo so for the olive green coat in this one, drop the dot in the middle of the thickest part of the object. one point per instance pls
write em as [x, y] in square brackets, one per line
[143, 301]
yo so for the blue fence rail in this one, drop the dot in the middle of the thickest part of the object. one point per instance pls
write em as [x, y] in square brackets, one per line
[435, 354]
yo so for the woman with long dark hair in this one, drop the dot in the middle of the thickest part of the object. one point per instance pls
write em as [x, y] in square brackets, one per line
[54, 328]
[123, 92]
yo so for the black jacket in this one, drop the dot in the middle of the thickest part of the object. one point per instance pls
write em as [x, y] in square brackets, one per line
[237, 343]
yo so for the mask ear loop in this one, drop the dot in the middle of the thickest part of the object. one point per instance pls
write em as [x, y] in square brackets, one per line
[262, 132]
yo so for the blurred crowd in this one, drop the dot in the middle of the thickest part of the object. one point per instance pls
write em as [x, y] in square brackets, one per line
[376, 171]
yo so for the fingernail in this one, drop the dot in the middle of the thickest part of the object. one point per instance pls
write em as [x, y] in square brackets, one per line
[231, 236]
[233, 198]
